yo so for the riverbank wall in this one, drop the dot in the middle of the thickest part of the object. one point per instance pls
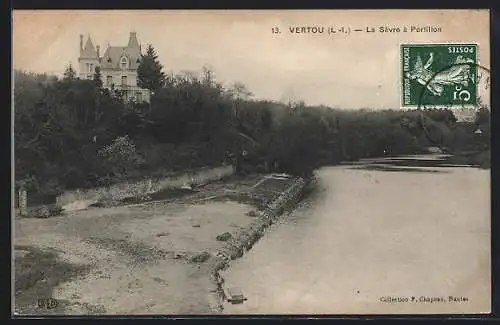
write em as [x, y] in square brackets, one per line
[245, 238]
[81, 199]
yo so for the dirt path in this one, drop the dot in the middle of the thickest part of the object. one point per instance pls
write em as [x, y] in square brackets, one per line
[125, 260]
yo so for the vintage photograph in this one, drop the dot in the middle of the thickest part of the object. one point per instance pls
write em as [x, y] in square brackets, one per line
[225, 162]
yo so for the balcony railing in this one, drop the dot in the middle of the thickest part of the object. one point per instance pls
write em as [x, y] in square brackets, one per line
[125, 87]
[131, 92]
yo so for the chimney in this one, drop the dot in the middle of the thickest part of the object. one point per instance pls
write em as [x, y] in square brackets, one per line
[98, 52]
[81, 42]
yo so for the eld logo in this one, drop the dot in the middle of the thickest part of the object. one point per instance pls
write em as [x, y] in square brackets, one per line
[47, 303]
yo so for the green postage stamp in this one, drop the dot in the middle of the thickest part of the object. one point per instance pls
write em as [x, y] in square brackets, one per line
[439, 75]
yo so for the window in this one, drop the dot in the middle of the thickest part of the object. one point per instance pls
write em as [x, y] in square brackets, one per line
[90, 77]
[90, 67]
[124, 62]
[109, 80]
[124, 80]
[138, 96]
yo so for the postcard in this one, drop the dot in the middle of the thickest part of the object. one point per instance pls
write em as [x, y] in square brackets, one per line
[200, 162]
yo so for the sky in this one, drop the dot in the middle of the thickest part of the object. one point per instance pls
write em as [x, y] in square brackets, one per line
[355, 70]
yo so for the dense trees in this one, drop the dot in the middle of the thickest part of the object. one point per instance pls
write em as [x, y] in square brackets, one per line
[149, 73]
[69, 73]
[73, 133]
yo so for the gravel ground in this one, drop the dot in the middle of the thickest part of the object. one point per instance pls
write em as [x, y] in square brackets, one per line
[136, 259]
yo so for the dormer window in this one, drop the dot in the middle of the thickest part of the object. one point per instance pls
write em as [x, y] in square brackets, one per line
[124, 62]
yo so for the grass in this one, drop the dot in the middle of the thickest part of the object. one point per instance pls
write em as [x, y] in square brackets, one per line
[36, 274]
[140, 252]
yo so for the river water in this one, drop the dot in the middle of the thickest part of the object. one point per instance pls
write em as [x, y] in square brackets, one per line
[367, 234]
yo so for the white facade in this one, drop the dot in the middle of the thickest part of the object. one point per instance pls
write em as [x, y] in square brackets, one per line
[118, 67]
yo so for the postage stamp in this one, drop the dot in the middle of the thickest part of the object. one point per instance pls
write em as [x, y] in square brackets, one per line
[439, 75]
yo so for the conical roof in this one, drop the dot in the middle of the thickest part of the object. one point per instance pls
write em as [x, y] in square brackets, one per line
[89, 51]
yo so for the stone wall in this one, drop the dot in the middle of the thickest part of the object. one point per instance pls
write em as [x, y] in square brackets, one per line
[81, 199]
[247, 237]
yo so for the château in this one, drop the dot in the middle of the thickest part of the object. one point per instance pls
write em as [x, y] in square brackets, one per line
[118, 67]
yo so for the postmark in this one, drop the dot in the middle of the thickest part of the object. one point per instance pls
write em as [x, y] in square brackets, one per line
[439, 75]
[463, 112]
[457, 82]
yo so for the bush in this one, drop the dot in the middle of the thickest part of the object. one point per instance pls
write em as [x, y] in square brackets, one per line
[120, 156]
[47, 211]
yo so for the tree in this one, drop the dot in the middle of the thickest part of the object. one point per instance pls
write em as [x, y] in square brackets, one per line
[482, 117]
[98, 78]
[207, 77]
[149, 73]
[69, 73]
[99, 90]
[240, 92]
[483, 124]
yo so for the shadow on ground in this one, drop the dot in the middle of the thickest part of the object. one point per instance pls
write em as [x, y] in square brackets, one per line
[37, 272]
